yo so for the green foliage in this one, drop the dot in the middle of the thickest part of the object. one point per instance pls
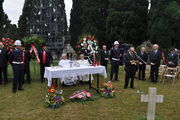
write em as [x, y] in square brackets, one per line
[38, 41]
[163, 25]
[127, 21]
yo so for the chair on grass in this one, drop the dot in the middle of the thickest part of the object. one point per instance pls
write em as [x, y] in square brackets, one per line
[170, 73]
[162, 70]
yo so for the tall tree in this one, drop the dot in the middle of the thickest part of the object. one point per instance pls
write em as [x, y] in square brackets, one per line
[89, 16]
[127, 21]
[164, 23]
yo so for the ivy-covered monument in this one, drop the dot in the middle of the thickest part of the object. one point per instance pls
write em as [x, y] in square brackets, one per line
[47, 19]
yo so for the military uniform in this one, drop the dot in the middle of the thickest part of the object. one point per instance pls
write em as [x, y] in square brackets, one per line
[115, 58]
[87, 54]
[16, 60]
[130, 68]
[3, 66]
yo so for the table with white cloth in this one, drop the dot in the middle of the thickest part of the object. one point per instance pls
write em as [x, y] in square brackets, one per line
[61, 72]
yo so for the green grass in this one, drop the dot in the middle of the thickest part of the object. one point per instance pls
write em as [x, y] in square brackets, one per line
[29, 104]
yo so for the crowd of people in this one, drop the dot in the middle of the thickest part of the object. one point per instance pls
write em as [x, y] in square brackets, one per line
[133, 61]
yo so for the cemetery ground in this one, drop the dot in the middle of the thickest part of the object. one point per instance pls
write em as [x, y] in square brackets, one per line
[30, 104]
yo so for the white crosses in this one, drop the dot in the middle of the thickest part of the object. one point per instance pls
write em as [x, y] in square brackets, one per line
[152, 99]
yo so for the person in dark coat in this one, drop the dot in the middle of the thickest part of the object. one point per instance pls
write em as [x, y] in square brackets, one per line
[45, 60]
[131, 61]
[143, 57]
[3, 64]
[26, 60]
[115, 59]
[172, 59]
[87, 53]
[16, 60]
[104, 56]
[155, 58]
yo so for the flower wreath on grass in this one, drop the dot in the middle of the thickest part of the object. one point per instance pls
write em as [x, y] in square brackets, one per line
[80, 96]
[91, 41]
[8, 43]
[107, 90]
[54, 98]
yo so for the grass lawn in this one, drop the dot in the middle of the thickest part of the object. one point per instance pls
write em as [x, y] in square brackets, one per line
[30, 104]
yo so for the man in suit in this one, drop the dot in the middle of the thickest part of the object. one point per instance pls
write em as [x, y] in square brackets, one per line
[104, 56]
[87, 53]
[155, 58]
[172, 59]
[115, 55]
[130, 60]
[3, 64]
[45, 60]
[26, 60]
[16, 60]
[142, 63]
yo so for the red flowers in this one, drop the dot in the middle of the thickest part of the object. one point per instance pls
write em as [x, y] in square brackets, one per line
[8, 43]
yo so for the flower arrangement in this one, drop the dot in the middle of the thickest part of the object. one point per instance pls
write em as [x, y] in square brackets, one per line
[80, 96]
[8, 43]
[91, 41]
[107, 90]
[54, 98]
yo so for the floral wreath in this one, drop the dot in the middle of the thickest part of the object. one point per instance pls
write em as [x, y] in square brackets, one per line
[8, 43]
[91, 41]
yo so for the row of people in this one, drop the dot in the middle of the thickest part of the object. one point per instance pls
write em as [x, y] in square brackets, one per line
[135, 62]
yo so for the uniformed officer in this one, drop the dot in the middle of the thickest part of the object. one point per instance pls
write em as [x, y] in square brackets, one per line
[3, 64]
[115, 58]
[130, 60]
[16, 60]
[26, 60]
[45, 60]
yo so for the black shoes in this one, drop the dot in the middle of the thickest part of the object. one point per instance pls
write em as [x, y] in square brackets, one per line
[21, 89]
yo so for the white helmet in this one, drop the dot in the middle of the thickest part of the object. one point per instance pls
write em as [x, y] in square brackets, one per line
[18, 42]
[116, 43]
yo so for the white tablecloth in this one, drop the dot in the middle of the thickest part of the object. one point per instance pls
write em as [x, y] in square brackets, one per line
[57, 72]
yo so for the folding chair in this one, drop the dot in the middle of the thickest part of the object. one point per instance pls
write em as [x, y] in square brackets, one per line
[162, 70]
[170, 73]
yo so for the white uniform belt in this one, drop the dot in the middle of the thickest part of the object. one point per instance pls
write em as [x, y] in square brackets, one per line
[115, 59]
[17, 62]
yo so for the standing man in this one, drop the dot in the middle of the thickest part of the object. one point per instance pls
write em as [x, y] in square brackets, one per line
[130, 60]
[115, 56]
[16, 60]
[155, 58]
[87, 53]
[3, 64]
[172, 59]
[104, 56]
[142, 63]
[26, 61]
[45, 60]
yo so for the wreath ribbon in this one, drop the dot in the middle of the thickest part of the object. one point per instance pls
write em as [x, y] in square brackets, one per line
[33, 48]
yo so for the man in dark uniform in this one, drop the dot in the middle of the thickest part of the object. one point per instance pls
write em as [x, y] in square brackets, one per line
[45, 60]
[16, 60]
[3, 64]
[87, 53]
[172, 59]
[26, 61]
[130, 60]
[155, 58]
[115, 58]
[104, 56]
[142, 63]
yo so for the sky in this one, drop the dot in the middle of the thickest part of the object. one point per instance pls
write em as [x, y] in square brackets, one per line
[13, 8]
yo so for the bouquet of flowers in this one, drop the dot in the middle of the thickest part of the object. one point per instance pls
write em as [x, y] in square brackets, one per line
[80, 96]
[107, 90]
[54, 98]
[8, 43]
[91, 41]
